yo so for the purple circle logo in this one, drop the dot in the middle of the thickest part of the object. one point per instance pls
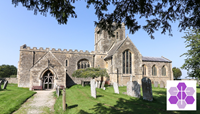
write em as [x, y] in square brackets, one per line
[181, 95]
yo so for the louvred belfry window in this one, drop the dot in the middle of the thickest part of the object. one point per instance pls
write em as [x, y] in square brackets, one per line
[83, 63]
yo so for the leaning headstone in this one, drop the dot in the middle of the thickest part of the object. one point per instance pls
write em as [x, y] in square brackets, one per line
[133, 89]
[93, 88]
[147, 89]
[116, 89]
[98, 85]
[155, 84]
[162, 84]
[102, 85]
[5, 84]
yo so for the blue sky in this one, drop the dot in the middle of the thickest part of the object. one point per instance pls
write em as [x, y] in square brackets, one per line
[20, 26]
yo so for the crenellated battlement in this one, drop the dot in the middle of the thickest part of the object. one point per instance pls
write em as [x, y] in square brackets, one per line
[27, 48]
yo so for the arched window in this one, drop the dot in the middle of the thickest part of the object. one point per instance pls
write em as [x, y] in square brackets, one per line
[83, 63]
[127, 60]
[66, 63]
[163, 71]
[117, 35]
[143, 69]
[154, 70]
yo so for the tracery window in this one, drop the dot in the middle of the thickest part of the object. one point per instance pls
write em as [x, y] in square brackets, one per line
[163, 71]
[143, 69]
[154, 70]
[127, 60]
[83, 63]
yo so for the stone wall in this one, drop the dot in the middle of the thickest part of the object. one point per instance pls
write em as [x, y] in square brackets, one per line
[159, 76]
[11, 80]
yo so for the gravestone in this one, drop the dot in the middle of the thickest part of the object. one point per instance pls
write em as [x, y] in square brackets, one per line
[98, 85]
[147, 89]
[156, 84]
[93, 88]
[58, 91]
[116, 89]
[64, 99]
[5, 84]
[162, 84]
[104, 88]
[0, 84]
[133, 89]
[102, 85]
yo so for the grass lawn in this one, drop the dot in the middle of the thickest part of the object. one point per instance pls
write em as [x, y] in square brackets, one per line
[79, 101]
[12, 98]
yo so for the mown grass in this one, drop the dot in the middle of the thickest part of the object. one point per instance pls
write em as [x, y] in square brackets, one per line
[13, 97]
[79, 101]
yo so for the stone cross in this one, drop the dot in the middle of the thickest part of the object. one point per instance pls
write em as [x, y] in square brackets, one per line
[131, 77]
[116, 89]
[5, 84]
[147, 89]
[156, 84]
[102, 85]
[93, 88]
[162, 84]
[133, 89]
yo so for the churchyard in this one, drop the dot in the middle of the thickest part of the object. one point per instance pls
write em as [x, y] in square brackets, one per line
[79, 100]
[13, 97]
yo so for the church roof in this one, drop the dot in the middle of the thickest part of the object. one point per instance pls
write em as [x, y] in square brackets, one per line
[155, 59]
[112, 51]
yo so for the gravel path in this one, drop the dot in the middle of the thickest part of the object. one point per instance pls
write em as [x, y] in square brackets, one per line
[42, 102]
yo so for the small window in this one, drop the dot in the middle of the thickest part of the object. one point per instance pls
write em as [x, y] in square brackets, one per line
[117, 35]
[163, 71]
[144, 70]
[154, 70]
[66, 63]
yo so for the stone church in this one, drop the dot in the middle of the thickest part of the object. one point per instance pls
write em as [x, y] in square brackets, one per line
[118, 55]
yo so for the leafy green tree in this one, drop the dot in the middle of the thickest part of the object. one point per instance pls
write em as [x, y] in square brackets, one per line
[159, 14]
[176, 72]
[7, 70]
[192, 61]
[90, 72]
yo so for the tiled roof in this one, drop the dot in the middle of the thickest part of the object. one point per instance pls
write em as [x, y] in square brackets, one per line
[155, 59]
[114, 49]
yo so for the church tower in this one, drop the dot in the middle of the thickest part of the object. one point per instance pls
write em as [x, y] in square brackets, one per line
[103, 42]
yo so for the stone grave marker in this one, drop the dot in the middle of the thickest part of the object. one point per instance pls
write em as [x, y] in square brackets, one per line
[162, 84]
[133, 89]
[104, 88]
[156, 84]
[58, 90]
[99, 83]
[116, 89]
[147, 89]
[0, 84]
[102, 85]
[96, 84]
[5, 84]
[93, 88]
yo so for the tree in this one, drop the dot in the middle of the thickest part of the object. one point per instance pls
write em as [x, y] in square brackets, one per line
[90, 72]
[157, 13]
[176, 72]
[192, 61]
[7, 70]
